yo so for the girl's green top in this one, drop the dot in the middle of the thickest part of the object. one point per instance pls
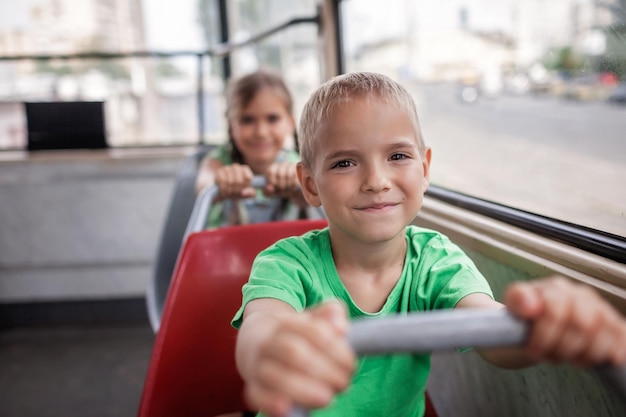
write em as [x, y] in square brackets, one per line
[259, 209]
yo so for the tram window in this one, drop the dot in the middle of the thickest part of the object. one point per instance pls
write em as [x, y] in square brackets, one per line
[517, 98]
[148, 101]
[292, 52]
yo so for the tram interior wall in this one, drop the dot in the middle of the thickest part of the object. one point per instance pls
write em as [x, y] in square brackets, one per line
[78, 230]
[462, 383]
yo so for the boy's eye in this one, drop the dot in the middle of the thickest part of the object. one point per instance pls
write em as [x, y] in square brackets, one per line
[398, 156]
[341, 164]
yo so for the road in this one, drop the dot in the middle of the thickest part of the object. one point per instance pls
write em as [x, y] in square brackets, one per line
[556, 157]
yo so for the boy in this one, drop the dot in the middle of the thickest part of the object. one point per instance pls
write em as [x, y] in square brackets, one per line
[364, 160]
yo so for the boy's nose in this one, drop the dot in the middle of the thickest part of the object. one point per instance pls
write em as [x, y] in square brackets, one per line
[376, 179]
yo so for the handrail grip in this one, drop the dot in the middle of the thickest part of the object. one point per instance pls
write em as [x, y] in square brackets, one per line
[224, 49]
[449, 329]
[200, 211]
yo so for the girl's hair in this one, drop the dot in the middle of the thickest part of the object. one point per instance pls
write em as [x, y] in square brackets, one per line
[339, 91]
[241, 92]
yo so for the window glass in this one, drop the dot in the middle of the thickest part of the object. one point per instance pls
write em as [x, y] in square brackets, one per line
[292, 52]
[151, 100]
[148, 100]
[522, 101]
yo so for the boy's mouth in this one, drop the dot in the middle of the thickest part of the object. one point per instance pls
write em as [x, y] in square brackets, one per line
[376, 206]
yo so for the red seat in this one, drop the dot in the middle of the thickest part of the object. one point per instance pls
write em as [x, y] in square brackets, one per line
[192, 369]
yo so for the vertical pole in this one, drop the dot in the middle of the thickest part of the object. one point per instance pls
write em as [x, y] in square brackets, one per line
[330, 39]
[200, 98]
[224, 36]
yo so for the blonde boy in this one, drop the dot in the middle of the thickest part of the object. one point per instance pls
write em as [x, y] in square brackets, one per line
[364, 160]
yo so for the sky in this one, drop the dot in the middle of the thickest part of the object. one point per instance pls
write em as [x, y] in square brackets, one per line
[162, 15]
[370, 19]
[14, 14]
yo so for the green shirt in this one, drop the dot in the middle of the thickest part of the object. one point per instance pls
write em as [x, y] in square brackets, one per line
[437, 274]
[218, 213]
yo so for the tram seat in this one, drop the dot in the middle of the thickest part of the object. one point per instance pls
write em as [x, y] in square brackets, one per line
[192, 369]
[173, 232]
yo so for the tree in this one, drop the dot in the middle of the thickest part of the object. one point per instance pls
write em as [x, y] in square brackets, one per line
[564, 60]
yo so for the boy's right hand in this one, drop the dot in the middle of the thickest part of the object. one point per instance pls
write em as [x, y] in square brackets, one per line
[306, 362]
[234, 182]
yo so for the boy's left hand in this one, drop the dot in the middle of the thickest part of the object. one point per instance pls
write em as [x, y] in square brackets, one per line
[569, 322]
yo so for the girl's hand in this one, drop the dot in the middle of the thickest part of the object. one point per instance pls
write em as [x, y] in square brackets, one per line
[570, 322]
[306, 362]
[234, 182]
[282, 180]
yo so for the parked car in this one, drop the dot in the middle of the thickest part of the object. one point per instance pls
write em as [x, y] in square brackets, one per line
[596, 86]
[618, 96]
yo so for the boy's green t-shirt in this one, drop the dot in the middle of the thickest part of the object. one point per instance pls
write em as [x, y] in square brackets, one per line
[217, 214]
[437, 274]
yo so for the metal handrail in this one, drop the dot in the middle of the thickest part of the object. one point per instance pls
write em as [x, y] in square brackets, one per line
[218, 50]
[227, 48]
[605, 244]
[202, 206]
[450, 329]
[197, 222]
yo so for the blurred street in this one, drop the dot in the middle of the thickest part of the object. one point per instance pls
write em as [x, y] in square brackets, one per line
[569, 153]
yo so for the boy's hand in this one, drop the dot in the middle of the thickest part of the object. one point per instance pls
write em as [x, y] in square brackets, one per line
[282, 180]
[306, 362]
[570, 322]
[234, 181]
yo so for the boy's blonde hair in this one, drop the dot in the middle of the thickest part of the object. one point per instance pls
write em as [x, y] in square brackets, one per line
[340, 91]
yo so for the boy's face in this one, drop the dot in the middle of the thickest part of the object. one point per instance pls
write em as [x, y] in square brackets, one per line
[367, 172]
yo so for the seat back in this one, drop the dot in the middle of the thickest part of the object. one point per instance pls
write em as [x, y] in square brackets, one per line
[172, 235]
[192, 369]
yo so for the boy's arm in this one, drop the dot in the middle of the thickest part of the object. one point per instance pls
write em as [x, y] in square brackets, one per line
[510, 358]
[288, 358]
[569, 322]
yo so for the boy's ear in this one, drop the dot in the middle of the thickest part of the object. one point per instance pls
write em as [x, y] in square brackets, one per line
[309, 188]
[426, 166]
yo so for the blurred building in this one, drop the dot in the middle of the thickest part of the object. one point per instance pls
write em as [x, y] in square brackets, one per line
[541, 25]
[69, 26]
[445, 41]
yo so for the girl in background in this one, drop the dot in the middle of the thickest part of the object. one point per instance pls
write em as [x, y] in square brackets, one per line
[260, 120]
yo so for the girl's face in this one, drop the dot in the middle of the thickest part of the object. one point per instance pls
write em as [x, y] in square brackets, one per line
[259, 129]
